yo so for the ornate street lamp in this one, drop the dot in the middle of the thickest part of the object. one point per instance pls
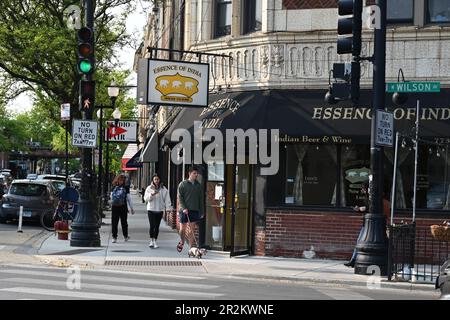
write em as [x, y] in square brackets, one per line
[116, 115]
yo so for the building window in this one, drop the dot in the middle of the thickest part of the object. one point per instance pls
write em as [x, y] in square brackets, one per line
[252, 16]
[311, 175]
[400, 11]
[223, 18]
[355, 171]
[438, 11]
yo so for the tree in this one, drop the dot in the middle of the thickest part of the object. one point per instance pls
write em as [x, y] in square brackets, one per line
[38, 50]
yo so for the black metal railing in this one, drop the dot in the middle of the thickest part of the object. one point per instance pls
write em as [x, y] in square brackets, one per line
[414, 255]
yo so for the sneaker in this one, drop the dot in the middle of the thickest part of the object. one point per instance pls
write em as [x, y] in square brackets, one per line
[151, 244]
[114, 240]
[127, 238]
[155, 245]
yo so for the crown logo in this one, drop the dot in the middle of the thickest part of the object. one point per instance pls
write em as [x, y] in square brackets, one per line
[176, 88]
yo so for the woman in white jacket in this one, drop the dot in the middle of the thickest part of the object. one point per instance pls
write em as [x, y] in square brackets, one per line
[158, 199]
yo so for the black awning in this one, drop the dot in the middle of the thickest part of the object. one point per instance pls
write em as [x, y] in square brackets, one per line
[150, 153]
[134, 161]
[302, 115]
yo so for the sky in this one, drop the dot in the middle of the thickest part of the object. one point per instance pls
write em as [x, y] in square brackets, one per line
[135, 25]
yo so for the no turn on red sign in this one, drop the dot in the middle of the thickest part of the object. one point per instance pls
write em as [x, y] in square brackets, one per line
[125, 131]
[84, 133]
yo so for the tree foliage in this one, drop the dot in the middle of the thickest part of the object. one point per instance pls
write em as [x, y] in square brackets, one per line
[38, 49]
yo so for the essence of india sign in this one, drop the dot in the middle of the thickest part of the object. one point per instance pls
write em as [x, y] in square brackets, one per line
[385, 128]
[84, 133]
[178, 83]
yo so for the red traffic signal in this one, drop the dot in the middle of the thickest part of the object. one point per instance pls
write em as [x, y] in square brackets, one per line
[85, 34]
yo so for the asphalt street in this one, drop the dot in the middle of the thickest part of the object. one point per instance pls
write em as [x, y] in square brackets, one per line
[50, 283]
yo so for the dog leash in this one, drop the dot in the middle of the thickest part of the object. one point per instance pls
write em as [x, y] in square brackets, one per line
[192, 231]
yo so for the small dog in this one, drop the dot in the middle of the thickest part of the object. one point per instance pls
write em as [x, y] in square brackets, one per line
[196, 252]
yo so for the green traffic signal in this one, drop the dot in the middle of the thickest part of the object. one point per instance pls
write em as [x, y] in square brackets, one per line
[85, 66]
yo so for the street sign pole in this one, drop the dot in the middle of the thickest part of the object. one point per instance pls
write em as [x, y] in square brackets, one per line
[416, 155]
[372, 250]
[85, 228]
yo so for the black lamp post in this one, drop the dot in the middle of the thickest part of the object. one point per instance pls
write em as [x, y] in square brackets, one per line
[113, 92]
[373, 247]
[116, 115]
[85, 225]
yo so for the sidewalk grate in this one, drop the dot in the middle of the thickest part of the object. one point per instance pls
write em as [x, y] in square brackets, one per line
[152, 263]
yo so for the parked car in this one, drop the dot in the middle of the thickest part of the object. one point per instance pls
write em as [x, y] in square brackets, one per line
[36, 196]
[3, 186]
[32, 176]
[443, 281]
[51, 177]
[75, 180]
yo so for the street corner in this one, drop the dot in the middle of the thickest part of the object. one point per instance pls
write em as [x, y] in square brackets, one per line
[61, 262]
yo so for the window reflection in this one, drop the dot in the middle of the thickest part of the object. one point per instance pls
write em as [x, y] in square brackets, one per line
[438, 11]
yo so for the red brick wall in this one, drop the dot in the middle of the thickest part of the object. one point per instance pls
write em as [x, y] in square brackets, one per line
[309, 4]
[333, 235]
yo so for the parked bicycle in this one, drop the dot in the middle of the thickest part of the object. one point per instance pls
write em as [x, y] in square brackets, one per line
[66, 209]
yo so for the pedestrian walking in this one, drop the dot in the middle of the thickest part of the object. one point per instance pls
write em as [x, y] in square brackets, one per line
[121, 205]
[158, 200]
[190, 197]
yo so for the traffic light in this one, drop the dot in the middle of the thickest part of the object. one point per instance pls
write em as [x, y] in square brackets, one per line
[87, 95]
[85, 51]
[349, 25]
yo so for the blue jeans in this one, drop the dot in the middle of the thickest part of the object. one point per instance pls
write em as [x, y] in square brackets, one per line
[359, 239]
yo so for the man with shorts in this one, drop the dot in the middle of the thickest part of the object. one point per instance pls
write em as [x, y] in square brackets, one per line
[190, 197]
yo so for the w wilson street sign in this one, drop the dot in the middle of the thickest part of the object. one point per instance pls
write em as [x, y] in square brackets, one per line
[413, 87]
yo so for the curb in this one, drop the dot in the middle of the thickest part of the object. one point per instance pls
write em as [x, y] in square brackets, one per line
[383, 283]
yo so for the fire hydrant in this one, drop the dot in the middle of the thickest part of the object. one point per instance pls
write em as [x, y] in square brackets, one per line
[62, 229]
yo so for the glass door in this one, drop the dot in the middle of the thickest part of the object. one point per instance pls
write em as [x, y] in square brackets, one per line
[241, 227]
[215, 205]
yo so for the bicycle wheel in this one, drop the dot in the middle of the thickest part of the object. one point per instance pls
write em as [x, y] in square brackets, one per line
[48, 221]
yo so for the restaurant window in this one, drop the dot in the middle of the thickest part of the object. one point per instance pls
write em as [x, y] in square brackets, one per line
[400, 11]
[223, 18]
[438, 11]
[355, 171]
[432, 177]
[311, 175]
[252, 16]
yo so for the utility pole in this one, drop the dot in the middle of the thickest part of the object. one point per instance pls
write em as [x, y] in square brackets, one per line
[372, 249]
[85, 229]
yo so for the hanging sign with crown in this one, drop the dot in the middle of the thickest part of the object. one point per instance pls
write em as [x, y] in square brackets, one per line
[178, 83]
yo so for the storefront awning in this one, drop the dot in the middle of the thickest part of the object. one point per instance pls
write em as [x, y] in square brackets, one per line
[134, 161]
[303, 116]
[129, 153]
[150, 153]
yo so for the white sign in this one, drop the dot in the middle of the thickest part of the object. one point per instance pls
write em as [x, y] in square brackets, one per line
[84, 133]
[65, 111]
[385, 128]
[178, 83]
[125, 131]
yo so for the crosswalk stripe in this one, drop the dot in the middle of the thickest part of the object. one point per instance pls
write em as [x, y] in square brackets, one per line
[75, 294]
[144, 274]
[110, 279]
[108, 287]
[342, 294]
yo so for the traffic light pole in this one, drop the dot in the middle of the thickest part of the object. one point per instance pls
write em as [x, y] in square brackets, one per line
[373, 247]
[85, 229]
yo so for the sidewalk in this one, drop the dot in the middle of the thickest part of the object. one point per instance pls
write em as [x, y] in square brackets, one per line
[127, 256]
